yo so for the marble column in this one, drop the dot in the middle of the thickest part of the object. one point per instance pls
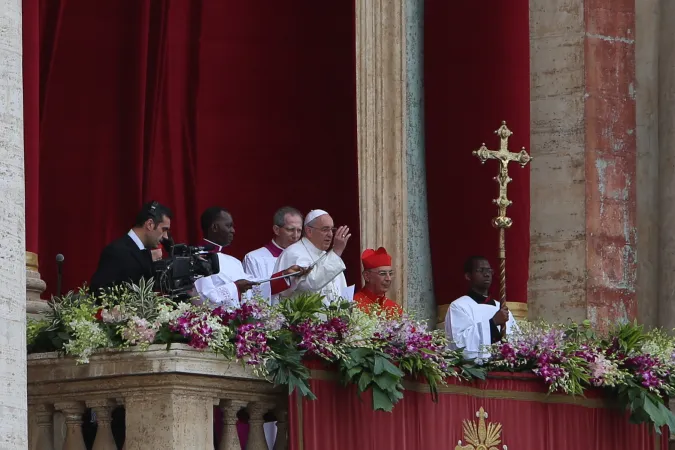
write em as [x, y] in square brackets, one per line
[390, 124]
[13, 408]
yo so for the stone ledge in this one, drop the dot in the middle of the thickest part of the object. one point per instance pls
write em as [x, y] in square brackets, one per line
[114, 373]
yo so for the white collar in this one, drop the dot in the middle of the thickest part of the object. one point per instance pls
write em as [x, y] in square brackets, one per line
[134, 237]
[311, 248]
[219, 247]
[276, 245]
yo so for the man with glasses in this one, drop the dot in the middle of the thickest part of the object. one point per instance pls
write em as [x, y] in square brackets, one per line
[287, 229]
[324, 263]
[474, 320]
[377, 275]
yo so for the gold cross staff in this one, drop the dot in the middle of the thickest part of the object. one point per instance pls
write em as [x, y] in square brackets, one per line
[502, 222]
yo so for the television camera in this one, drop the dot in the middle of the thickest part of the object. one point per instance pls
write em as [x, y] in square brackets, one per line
[175, 275]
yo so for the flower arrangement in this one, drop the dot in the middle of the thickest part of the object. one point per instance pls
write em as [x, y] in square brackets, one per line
[370, 349]
[636, 367]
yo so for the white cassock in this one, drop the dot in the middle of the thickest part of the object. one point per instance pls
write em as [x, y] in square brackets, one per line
[260, 263]
[219, 288]
[467, 326]
[326, 277]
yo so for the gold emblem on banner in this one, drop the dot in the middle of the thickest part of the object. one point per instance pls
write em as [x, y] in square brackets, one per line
[481, 436]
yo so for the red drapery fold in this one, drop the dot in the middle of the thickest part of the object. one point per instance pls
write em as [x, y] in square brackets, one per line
[529, 418]
[246, 105]
[476, 74]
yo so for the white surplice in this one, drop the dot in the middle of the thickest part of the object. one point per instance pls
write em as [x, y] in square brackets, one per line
[467, 326]
[326, 278]
[219, 288]
[259, 264]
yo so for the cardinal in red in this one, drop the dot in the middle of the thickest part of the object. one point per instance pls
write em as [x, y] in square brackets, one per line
[377, 274]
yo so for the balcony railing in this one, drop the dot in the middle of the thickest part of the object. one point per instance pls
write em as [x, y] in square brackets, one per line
[169, 397]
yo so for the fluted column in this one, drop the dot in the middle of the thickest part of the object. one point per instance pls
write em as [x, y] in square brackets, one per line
[390, 125]
[104, 436]
[230, 438]
[256, 434]
[13, 408]
[73, 412]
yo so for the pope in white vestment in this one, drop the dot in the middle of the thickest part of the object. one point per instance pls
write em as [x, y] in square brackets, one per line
[326, 275]
[473, 321]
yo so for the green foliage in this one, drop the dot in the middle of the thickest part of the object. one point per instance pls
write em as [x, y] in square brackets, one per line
[372, 369]
[301, 307]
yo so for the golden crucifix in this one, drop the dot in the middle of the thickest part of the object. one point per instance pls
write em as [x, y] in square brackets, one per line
[502, 222]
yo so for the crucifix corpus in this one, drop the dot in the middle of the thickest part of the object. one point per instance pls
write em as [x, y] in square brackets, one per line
[502, 222]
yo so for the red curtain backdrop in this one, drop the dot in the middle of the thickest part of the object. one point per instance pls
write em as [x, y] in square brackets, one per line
[476, 66]
[530, 419]
[247, 105]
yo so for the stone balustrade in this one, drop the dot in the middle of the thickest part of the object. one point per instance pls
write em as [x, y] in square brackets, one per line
[168, 397]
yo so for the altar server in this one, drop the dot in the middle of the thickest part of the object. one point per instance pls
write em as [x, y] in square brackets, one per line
[314, 252]
[377, 274]
[287, 229]
[229, 286]
[473, 321]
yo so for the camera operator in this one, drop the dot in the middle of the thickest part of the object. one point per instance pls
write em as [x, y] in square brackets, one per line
[130, 258]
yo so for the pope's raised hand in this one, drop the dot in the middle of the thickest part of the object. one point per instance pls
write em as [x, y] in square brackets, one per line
[340, 239]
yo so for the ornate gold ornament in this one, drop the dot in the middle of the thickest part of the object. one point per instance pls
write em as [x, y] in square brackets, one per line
[481, 436]
[502, 222]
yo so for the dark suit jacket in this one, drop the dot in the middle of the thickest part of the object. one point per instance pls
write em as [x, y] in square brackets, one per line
[122, 261]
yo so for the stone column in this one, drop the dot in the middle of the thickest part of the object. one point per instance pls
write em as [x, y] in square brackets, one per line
[583, 195]
[666, 141]
[187, 421]
[13, 409]
[390, 124]
[647, 134]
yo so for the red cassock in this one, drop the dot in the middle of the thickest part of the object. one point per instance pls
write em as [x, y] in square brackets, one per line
[365, 299]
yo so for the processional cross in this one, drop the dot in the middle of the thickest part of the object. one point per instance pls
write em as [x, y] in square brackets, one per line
[502, 222]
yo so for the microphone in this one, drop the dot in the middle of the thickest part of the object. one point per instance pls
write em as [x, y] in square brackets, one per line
[59, 273]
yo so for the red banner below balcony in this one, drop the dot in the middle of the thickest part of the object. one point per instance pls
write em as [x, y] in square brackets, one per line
[505, 412]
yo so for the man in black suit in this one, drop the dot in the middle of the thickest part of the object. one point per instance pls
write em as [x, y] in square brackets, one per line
[130, 258]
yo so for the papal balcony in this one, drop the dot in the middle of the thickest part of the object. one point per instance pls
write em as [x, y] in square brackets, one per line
[168, 397]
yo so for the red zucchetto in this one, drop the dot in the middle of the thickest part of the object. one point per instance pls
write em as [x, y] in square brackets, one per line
[372, 259]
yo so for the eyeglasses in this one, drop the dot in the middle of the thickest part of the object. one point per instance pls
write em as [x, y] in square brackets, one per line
[325, 230]
[485, 271]
[383, 273]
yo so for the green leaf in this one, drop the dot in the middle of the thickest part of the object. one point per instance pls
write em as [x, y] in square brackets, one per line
[389, 367]
[379, 365]
[364, 381]
[386, 381]
[381, 401]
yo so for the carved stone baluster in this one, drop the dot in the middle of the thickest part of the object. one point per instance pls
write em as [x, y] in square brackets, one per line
[45, 427]
[104, 436]
[73, 413]
[256, 434]
[230, 438]
[281, 442]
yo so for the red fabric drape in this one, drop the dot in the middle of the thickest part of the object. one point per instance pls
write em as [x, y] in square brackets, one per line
[530, 420]
[31, 117]
[476, 74]
[246, 105]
